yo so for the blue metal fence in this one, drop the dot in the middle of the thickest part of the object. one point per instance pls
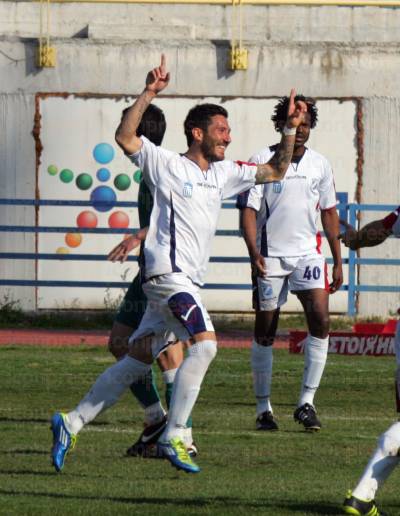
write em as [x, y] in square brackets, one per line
[346, 211]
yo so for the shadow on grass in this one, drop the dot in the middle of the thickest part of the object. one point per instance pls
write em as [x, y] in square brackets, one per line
[4, 419]
[47, 421]
[24, 452]
[219, 501]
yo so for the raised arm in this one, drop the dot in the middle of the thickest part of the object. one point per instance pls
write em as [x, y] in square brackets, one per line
[277, 166]
[370, 235]
[157, 79]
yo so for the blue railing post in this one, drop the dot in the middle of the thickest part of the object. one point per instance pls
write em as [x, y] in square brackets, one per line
[351, 293]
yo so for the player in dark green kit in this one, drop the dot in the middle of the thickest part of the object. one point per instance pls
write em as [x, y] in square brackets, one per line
[131, 311]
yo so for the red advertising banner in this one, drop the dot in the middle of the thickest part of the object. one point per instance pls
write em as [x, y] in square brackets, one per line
[348, 343]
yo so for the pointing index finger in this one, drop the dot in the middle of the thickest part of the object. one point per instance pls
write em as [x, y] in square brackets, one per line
[163, 62]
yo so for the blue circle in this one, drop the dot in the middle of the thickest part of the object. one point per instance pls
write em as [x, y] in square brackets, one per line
[103, 174]
[103, 198]
[103, 153]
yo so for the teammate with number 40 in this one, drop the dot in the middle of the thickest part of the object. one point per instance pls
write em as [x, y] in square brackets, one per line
[279, 223]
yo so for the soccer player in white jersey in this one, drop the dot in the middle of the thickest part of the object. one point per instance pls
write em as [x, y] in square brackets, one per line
[279, 222]
[361, 502]
[187, 190]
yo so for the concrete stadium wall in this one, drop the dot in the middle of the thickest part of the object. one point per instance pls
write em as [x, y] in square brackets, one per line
[325, 52]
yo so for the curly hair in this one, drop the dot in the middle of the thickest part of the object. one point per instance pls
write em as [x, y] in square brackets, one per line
[280, 111]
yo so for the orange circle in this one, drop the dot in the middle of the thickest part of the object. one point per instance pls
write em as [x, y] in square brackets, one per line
[73, 239]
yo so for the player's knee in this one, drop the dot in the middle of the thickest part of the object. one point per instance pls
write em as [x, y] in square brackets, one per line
[320, 326]
[389, 441]
[264, 340]
[206, 350]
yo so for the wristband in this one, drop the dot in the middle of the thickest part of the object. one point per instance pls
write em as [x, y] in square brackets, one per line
[289, 131]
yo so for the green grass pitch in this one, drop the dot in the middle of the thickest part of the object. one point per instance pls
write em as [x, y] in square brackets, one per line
[244, 471]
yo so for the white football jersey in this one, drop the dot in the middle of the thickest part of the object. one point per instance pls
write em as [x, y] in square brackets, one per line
[288, 209]
[187, 201]
[392, 222]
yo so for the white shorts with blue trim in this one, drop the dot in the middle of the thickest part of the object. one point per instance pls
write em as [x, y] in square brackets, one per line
[174, 311]
[284, 274]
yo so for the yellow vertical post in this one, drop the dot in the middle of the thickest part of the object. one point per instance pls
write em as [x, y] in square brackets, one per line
[238, 55]
[46, 54]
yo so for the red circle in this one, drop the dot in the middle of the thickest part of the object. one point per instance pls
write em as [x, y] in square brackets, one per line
[86, 219]
[118, 219]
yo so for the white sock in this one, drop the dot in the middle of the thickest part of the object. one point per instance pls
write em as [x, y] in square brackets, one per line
[381, 464]
[316, 352]
[261, 365]
[106, 391]
[154, 413]
[169, 376]
[187, 387]
[187, 436]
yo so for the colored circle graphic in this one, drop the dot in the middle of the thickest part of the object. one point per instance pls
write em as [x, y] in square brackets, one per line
[66, 175]
[86, 219]
[52, 170]
[84, 181]
[118, 219]
[103, 198]
[103, 174]
[103, 153]
[73, 239]
[122, 182]
[137, 176]
[62, 250]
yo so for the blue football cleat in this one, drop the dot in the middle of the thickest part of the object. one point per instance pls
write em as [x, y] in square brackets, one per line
[175, 451]
[63, 440]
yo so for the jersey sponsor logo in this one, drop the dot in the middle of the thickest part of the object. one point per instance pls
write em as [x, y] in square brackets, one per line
[187, 189]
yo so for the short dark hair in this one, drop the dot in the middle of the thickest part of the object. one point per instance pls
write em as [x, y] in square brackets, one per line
[280, 111]
[200, 116]
[152, 125]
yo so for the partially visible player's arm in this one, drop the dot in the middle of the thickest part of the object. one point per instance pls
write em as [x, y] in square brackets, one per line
[277, 166]
[370, 235]
[249, 229]
[157, 79]
[121, 251]
[330, 223]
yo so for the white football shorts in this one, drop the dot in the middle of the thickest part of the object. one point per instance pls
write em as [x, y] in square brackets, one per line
[284, 274]
[174, 311]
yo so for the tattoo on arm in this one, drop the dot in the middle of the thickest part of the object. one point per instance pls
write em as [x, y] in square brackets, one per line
[277, 166]
[126, 131]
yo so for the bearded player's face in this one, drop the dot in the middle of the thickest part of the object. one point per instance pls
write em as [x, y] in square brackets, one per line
[216, 139]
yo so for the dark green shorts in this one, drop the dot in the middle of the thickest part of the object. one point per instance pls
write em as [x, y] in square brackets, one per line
[133, 305]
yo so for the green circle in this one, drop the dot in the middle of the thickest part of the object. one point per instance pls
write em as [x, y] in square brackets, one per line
[52, 170]
[66, 175]
[84, 181]
[122, 182]
[137, 176]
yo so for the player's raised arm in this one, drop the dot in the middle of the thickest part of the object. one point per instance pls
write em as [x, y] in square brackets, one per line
[156, 80]
[277, 166]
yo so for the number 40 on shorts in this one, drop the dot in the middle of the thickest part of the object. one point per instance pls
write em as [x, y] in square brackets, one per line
[309, 273]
